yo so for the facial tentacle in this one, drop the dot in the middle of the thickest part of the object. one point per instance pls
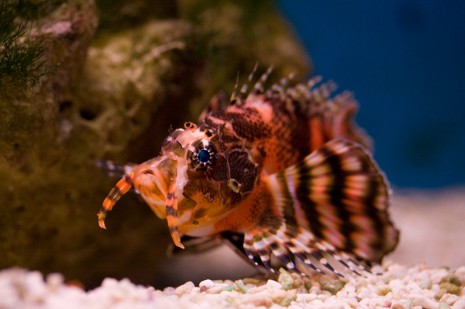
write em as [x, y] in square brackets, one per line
[121, 188]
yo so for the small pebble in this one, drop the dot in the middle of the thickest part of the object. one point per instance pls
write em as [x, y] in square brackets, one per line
[185, 288]
[206, 284]
[460, 304]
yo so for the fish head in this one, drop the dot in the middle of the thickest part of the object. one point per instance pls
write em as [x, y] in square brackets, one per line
[192, 184]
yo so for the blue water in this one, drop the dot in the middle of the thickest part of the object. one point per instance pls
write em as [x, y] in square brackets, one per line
[405, 62]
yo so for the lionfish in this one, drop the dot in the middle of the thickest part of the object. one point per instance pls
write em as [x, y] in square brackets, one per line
[282, 172]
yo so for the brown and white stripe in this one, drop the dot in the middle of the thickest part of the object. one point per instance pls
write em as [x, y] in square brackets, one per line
[333, 210]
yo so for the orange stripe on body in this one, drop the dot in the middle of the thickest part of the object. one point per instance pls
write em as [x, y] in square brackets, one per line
[317, 135]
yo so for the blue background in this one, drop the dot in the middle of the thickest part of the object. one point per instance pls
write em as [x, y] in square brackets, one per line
[405, 62]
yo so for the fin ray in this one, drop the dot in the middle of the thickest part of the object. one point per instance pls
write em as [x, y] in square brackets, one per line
[344, 198]
[353, 220]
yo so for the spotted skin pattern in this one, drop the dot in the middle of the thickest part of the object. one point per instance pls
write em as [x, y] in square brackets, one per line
[280, 171]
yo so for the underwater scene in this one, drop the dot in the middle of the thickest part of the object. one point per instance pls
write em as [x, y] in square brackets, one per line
[232, 154]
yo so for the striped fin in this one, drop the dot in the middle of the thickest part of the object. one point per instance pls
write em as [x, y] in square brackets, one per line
[333, 208]
[344, 197]
[298, 252]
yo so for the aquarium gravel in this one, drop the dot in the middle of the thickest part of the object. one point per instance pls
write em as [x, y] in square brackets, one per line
[397, 287]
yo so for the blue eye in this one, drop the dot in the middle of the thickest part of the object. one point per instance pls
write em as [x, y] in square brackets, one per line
[203, 156]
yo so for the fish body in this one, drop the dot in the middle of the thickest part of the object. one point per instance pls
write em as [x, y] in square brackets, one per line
[285, 167]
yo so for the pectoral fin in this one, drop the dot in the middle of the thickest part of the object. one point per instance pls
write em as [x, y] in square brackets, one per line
[332, 209]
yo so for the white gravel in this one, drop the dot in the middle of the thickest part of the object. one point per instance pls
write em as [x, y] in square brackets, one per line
[432, 233]
[398, 287]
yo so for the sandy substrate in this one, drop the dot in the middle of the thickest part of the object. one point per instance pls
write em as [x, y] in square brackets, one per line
[398, 287]
[428, 272]
[432, 226]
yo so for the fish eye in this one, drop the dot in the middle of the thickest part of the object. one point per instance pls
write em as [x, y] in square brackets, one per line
[204, 156]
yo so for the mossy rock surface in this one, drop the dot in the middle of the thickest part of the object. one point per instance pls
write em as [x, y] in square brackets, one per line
[112, 92]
